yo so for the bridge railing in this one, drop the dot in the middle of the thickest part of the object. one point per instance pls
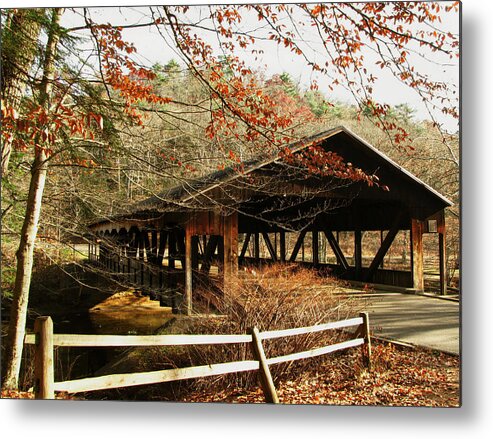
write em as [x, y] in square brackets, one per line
[45, 340]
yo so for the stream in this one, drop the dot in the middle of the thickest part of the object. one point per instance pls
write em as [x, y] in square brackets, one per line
[125, 313]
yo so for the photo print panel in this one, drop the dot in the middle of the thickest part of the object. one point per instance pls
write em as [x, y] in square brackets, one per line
[247, 203]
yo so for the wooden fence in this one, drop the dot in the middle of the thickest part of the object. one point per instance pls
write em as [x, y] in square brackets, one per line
[45, 341]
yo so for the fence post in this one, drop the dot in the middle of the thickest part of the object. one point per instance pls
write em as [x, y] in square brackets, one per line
[43, 359]
[365, 333]
[265, 376]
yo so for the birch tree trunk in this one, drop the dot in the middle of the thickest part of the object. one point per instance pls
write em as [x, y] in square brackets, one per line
[18, 313]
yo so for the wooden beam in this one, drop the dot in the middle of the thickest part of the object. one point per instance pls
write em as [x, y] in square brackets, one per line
[203, 245]
[149, 256]
[256, 247]
[230, 252]
[111, 249]
[147, 245]
[279, 333]
[209, 254]
[188, 271]
[417, 228]
[195, 253]
[365, 330]
[163, 238]
[381, 242]
[154, 246]
[127, 252]
[382, 251]
[442, 253]
[297, 245]
[141, 245]
[132, 242]
[270, 247]
[102, 253]
[245, 246]
[315, 249]
[132, 252]
[316, 352]
[154, 377]
[357, 254]
[282, 246]
[334, 245]
[265, 376]
[44, 371]
[107, 340]
[171, 250]
[180, 242]
[220, 254]
[171, 278]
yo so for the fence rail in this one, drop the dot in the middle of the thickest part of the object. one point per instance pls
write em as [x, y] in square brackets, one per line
[45, 341]
[90, 340]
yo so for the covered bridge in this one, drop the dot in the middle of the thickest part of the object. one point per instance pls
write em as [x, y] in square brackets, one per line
[268, 210]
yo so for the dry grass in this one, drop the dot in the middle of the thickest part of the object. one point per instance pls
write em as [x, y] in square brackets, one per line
[276, 297]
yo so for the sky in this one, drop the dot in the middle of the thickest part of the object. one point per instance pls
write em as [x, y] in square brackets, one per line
[151, 48]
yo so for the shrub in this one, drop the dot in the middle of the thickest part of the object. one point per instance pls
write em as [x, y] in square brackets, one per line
[278, 296]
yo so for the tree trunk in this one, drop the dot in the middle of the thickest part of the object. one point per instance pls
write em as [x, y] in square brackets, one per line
[19, 46]
[24, 255]
[18, 313]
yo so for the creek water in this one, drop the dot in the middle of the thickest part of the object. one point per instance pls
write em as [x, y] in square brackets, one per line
[128, 313]
[125, 313]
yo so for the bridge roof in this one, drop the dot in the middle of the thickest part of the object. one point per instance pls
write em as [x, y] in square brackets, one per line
[206, 192]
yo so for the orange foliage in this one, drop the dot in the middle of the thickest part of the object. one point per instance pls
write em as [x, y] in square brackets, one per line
[241, 108]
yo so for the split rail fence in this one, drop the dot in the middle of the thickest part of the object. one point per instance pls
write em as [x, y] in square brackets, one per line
[45, 340]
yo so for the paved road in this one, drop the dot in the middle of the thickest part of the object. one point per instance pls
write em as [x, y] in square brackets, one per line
[419, 320]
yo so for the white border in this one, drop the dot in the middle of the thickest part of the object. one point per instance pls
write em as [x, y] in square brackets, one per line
[134, 420]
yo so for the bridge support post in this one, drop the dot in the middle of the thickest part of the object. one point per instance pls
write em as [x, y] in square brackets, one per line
[188, 271]
[230, 258]
[442, 253]
[417, 227]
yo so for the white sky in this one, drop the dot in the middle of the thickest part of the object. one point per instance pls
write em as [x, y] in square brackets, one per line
[151, 48]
